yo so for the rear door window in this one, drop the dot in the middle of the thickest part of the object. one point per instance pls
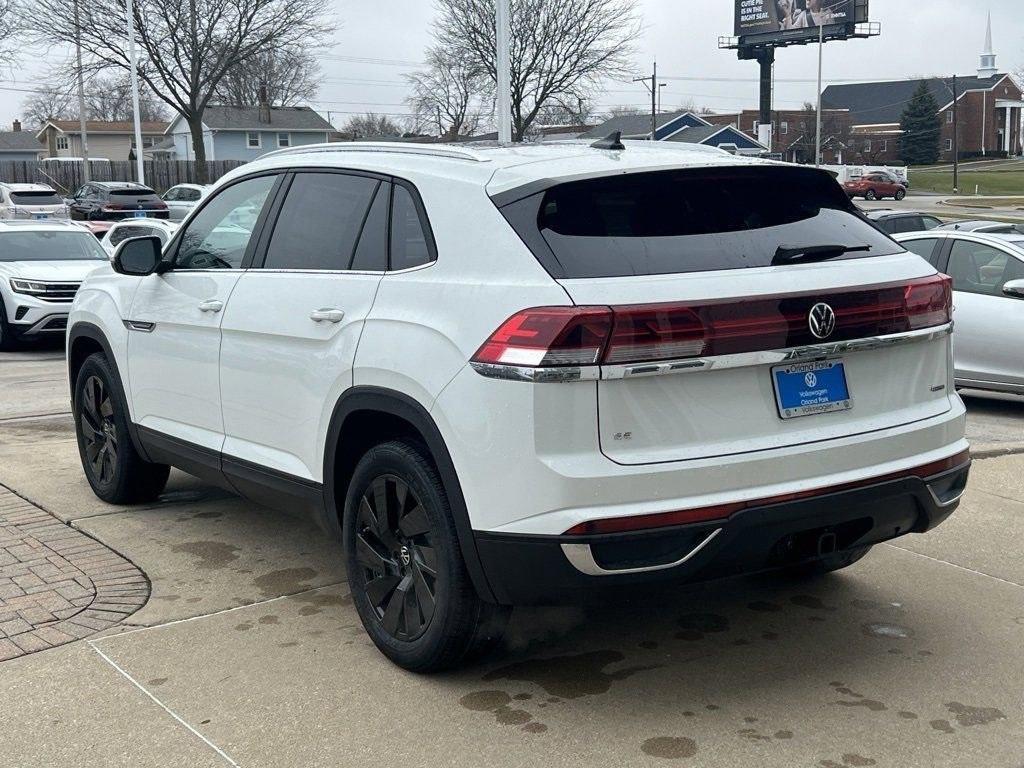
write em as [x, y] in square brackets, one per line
[925, 249]
[320, 221]
[689, 221]
[907, 224]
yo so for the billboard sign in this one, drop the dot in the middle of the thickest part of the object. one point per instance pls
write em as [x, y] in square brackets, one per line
[786, 18]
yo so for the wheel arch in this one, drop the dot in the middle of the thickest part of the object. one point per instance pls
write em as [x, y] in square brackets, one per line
[367, 415]
[85, 339]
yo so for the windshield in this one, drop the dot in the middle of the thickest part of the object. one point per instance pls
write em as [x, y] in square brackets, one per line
[689, 221]
[35, 198]
[49, 246]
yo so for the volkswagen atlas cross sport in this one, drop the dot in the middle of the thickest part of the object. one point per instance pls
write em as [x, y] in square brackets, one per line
[521, 375]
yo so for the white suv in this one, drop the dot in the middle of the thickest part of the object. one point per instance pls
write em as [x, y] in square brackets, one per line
[31, 201]
[41, 266]
[527, 374]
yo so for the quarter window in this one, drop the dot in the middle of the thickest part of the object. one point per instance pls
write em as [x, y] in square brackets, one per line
[218, 236]
[304, 237]
[411, 244]
[254, 140]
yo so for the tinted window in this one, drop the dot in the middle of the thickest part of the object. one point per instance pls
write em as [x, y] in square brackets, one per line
[49, 246]
[410, 243]
[977, 268]
[123, 233]
[188, 195]
[907, 224]
[171, 194]
[923, 248]
[930, 222]
[320, 221]
[217, 237]
[35, 198]
[372, 251]
[689, 221]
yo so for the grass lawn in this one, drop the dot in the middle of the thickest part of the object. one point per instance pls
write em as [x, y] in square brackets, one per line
[1009, 183]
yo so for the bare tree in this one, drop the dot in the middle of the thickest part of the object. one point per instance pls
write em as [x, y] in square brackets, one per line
[371, 126]
[560, 49]
[291, 77]
[48, 104]
[10, 26]
[109, 97]
[450, 93]
[624, 111]
[186, 46]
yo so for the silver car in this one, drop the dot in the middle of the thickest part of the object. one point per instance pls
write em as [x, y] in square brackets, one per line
[31, 201]
[181, 199]
[988, 303]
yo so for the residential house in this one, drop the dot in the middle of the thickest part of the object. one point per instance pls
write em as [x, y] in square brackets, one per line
[111, 140]
[681, 126]
[19, 144]
[246, 133]
[989, 108]
[794, 132]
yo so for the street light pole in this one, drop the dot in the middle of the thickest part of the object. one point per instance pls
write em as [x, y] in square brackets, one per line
[81, 97]
[817, 140]
[139, 168]
[956, 141]
[504, 71]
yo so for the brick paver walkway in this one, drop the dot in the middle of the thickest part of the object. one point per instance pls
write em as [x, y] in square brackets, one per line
[57, 584]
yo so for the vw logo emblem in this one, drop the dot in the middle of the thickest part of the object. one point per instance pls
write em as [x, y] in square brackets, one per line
[810, 379]
[822, 320]
[405, 555]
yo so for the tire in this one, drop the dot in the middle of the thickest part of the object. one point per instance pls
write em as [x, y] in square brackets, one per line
[900, 194]
[828, 564]
[115, 470]
[870, 195]
[6, 336]
[405, 568]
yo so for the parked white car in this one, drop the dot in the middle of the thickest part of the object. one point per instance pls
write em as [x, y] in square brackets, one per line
[518, 375]
[38, 202]
[129, 228]
[181, 199]
[41, 266]
[988, 301]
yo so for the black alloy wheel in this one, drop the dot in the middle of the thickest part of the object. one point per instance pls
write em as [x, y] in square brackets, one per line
[870, 195]
[99, 431]
[397, 555]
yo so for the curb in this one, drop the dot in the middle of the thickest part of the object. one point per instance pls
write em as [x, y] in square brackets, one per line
[994, 450]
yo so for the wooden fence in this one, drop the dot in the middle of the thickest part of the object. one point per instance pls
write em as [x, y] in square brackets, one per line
[161, 175]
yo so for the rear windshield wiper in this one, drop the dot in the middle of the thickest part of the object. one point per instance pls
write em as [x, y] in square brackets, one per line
[786, 254]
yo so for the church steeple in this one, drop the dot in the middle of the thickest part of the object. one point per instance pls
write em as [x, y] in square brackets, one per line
[988, 58]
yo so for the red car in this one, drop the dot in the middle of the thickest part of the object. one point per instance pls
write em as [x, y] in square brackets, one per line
[876, 186]
[98, 228]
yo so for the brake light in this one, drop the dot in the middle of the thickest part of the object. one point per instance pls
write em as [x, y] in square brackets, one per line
[645, 333]
[721, 512]
[549, 336]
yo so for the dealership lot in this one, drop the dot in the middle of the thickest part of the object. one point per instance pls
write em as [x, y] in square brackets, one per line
[248, 651]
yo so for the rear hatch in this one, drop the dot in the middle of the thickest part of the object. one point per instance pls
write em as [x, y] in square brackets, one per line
[135, 200]
[37, 204]
[712, 278]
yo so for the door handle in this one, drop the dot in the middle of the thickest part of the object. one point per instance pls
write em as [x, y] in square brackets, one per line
[330, 315]
[211, 305]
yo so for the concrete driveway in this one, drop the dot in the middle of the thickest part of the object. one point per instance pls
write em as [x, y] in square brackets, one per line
[248, 651]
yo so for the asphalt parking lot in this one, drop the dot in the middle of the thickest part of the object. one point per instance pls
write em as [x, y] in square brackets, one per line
[247, 650]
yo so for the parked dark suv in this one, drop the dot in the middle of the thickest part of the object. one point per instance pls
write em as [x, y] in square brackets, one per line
[113, 200]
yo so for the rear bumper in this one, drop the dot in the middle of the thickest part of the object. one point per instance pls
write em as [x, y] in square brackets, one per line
[524, 569]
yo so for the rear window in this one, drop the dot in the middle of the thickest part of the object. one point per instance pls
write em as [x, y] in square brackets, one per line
[689, 221]
[141, 194]
[35, 198]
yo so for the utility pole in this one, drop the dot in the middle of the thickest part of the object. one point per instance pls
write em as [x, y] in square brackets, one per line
[139, 167]
[81, 97]
[817, 140]
[956, 141]
[440, 130]
[504, 70]
[651, 84]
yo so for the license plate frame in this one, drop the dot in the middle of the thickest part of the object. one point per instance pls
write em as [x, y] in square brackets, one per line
[829, 392]
[139, 214]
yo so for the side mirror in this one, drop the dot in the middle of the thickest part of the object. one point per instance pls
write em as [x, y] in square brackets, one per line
[1014, 289]
[139, 256]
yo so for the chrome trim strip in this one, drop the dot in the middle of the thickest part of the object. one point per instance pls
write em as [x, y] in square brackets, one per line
[537, 375]
[582, 559]
[139, 325]
[773, 357]
[714, 363]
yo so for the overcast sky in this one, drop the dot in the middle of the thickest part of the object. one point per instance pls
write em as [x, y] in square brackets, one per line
[918, 38]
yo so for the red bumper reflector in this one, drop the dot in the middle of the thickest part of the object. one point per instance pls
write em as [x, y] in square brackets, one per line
[724, 511]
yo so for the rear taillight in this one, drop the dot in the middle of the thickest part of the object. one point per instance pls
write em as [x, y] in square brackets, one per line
[646, 333]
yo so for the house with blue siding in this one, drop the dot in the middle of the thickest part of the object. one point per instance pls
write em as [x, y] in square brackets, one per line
[682, 126]
[19, 144]
[246, 133]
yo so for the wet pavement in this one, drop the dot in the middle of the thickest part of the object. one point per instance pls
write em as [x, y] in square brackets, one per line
[249, 652]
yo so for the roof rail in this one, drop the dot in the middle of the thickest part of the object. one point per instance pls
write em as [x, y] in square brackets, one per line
[427, 150]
